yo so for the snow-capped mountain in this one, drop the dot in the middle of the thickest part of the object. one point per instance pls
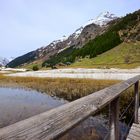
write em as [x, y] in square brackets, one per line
[3, 61]
[77, 39]
[102, 19]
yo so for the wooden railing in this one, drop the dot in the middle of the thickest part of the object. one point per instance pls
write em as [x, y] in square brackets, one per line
[54, 123]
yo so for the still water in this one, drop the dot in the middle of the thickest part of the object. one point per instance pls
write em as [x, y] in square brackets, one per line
[18, 104]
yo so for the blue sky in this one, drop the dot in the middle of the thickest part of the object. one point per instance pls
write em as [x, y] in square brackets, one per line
[26, 25]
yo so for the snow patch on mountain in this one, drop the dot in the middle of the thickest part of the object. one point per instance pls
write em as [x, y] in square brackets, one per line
[63, 49]
[53, 44]
[102, 19]
[3, 61]
[63, 38]
[78, 32]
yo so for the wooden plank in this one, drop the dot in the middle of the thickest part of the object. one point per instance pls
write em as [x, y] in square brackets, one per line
[135, 129]
[130, 139]
[56, 122]
[134, 137]
[134, 132]
[135, 125]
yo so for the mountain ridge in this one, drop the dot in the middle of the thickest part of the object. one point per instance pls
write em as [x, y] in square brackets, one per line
[90, 41]
[77, 39]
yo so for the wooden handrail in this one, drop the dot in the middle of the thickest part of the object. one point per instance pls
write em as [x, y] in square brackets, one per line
[54, 123]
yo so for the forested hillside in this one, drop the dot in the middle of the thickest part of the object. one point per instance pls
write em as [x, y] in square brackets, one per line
[125, 29]
[125, 55]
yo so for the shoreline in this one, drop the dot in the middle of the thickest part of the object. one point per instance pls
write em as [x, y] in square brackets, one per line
[81, 73]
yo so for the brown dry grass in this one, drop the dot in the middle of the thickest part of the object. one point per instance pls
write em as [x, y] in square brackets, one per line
[69, 89]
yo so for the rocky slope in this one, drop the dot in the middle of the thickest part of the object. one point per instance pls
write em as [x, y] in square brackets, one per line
[77, 39]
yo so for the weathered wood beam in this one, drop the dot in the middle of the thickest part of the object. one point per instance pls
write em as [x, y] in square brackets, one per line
[136, 91]
[114, 119]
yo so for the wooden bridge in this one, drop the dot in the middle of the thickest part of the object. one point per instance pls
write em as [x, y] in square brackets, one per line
[134, 133]
[54, 123]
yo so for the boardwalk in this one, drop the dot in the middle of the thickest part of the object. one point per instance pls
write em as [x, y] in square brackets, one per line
[134, 133]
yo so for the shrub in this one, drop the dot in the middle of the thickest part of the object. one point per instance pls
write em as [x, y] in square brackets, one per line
[35, 68]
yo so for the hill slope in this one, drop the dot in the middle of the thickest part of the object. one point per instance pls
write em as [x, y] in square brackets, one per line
[125, 55]
[124, 29]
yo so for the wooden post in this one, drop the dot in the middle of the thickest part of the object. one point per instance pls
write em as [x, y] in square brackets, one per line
[114, 120]
[136, 86]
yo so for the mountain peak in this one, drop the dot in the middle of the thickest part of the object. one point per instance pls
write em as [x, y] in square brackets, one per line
[102, 19]
[106, 14]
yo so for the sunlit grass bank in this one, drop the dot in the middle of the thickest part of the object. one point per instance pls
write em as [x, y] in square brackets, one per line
[125, 56]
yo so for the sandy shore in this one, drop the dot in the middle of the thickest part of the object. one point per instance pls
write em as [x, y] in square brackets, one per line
[117, 74]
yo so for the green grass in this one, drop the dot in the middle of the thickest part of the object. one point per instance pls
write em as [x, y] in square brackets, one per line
[125, 55]
[30, 65]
